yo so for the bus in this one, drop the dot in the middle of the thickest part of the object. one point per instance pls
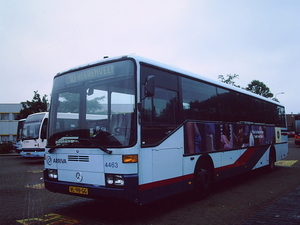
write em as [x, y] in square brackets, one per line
[160, 131]
[297, 130]
[19, 135]
[34, 135]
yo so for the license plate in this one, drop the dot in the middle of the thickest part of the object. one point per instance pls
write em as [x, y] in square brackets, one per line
[78, 190]
[28, 153]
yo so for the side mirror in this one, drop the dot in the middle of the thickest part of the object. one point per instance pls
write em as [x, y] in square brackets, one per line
[150, 86]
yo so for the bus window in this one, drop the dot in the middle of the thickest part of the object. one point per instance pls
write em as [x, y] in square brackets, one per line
[69, 103]
[280, 117]
[122, 103]
[244, 106]
[160, 116]
[199, 100]
[227, 105]
[44, 129]
[258, 111]
[162, 108]
[97, 102]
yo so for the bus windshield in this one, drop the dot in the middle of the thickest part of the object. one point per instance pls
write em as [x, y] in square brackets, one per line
[20, 129]
[31, 127]
[99, 113]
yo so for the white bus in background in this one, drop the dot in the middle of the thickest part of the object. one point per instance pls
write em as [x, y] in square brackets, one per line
[157, 131]
[19, 134]
[34, 132]
[34, 135]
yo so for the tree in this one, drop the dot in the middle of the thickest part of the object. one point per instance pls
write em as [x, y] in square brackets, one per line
[229, 79]
[259, 88]
[70, 102]
[255, 86]
[36, 105]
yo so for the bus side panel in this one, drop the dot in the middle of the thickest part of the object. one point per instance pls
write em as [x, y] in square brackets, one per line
[250, 158]
[281, 151]
[284, 149]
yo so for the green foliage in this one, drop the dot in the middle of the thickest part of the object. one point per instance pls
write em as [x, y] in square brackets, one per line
[259, 88]
[69, 102]
[255, 86]
[229, 79]
[93, 106]
[6, 147]
[37, 104]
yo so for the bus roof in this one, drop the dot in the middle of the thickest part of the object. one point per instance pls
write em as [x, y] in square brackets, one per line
[35, 117]
[173, 69]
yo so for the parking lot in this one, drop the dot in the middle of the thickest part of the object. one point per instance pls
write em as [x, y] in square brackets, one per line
[236, 201]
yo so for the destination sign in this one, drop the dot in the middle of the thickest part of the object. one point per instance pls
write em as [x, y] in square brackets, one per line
[90, 73]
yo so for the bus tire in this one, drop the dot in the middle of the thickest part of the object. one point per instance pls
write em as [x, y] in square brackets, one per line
[272, 159]
[203, 180]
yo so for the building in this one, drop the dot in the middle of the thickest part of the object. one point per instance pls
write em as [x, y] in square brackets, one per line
[291, 121]
[8, 122]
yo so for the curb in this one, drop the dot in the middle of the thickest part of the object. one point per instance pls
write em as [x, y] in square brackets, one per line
[10, 154]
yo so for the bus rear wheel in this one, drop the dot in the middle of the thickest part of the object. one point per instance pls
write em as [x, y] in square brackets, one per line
[203, 181]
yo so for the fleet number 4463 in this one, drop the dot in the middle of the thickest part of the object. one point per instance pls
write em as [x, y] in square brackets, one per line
[112, 164]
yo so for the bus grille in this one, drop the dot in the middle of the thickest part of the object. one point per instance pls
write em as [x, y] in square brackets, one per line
[78, 158]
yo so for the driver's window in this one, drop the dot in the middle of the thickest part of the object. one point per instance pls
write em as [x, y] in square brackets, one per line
[122, 107]
[97, 110]
[96, 102]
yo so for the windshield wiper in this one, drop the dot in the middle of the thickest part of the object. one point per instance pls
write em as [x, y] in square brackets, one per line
[53, 148]
[99, 146]
[64, 144]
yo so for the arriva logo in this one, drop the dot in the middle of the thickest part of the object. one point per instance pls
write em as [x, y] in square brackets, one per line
[55, 160]
[58, 160]
[49, 160]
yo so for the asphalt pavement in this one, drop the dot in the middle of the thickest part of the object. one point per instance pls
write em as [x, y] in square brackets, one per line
[285, 210]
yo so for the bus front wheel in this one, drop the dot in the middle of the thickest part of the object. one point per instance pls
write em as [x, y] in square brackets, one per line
[203, 180]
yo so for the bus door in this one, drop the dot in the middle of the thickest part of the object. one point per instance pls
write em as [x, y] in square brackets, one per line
[159, 123]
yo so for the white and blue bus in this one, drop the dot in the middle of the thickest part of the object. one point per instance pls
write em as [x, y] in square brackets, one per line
[34, 135]
[19, 135]
[157, 131]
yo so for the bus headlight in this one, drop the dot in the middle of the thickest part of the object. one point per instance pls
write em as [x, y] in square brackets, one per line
[114, 180]
[109, 179]
[52, 174]
[119, 180]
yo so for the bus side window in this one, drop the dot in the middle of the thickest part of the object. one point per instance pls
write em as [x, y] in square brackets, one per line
[160, 115]
[199, 100]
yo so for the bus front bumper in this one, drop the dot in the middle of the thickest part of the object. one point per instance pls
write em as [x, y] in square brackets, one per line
[128, 192]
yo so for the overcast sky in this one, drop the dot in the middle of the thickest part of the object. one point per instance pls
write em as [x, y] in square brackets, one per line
[257, 39]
